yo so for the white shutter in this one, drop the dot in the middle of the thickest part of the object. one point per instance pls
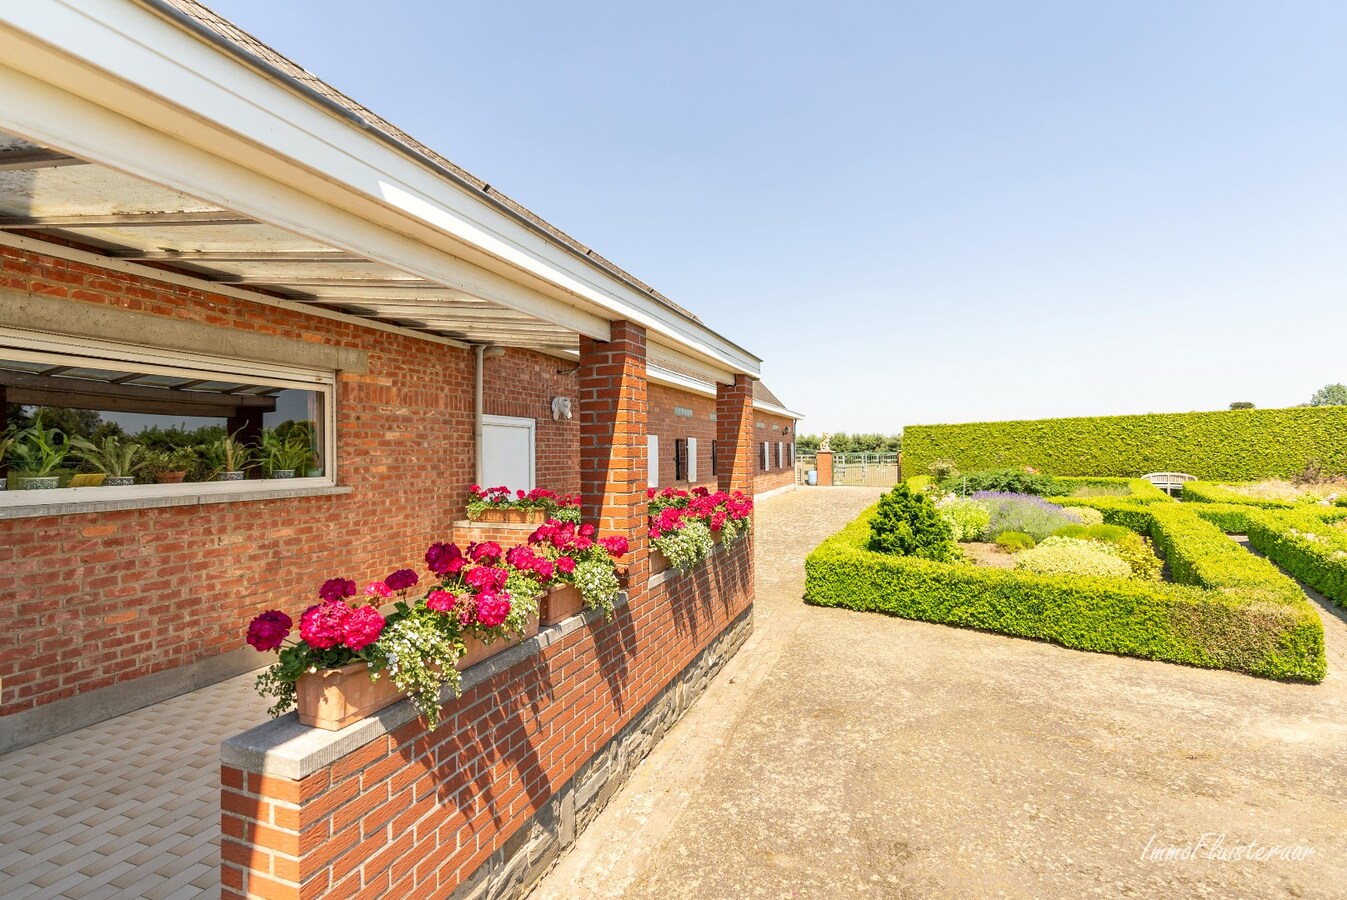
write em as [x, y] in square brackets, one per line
[692, 459]
[766, 459]
[780, 455]
[652, 460]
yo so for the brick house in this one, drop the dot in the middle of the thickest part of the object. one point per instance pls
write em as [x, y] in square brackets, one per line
[197, 234]
[200, 241]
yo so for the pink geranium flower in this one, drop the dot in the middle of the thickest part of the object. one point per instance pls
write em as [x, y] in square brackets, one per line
[492, 608]
[401, 580]
[441, 601]
[321, 624]
[378, 589]
[362, 627]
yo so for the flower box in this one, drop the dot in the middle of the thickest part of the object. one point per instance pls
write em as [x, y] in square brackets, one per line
[509, 515]
[477, 651]
[658, 562]
[561, 602]
[334, 698]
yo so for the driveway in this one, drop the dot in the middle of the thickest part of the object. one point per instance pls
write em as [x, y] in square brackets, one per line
[846, 754]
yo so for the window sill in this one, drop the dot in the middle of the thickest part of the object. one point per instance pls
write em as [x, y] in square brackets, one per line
[78, 501]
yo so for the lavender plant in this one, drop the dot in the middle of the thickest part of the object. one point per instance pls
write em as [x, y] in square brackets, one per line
[1025, 513]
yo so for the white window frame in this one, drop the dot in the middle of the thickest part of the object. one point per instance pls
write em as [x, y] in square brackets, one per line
[652, 460]
[692, 460]
[90, 353]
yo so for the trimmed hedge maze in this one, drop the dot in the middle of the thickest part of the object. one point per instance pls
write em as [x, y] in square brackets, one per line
[1228, 609]
[1230, 445]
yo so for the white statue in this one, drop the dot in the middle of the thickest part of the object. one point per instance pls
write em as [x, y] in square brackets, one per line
[561, 407]
[826, 445]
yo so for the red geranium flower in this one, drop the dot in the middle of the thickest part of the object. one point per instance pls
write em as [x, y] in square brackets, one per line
[269, 630]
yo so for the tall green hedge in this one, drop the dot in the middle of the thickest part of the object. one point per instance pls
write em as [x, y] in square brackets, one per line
[1236, 611]
[1230, 445]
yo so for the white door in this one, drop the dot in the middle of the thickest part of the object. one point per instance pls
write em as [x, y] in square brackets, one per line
[507, 452]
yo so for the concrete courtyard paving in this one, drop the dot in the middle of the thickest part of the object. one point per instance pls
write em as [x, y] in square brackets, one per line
[844, 754]
[126, 809]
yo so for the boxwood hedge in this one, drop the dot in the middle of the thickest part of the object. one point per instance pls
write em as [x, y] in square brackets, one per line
[1235, 611]
[1229, 445]
[1307, 546]
[1209, 492]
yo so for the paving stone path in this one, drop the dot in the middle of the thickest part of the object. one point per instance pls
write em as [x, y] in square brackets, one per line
[128, 808]
[843, 754]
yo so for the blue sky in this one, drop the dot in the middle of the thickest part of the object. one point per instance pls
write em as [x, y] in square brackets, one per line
[914, 213]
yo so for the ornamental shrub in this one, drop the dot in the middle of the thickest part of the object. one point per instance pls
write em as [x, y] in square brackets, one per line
[1226, 445]
[1015, 541]
[1129, 546]
[1032, 515]
[1074, 556]
[1007, 481]
[967, 519]
[908, 524]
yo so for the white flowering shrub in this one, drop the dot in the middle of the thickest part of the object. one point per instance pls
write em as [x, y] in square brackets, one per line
[685, 547]
[597, 583]
[420, 656]
[967, 519]
[1073, 556]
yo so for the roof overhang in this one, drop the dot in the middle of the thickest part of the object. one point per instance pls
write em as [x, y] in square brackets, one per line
[127, 85]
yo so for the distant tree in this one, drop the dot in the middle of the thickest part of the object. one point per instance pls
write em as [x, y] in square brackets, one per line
[853, 443]
[1330, 395]
[70, 422]
[1241, 404]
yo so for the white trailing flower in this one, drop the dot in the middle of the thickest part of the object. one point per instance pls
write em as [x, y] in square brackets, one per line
[686, 546]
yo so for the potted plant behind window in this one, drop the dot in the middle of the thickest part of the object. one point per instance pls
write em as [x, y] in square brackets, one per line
[230, 458]
[285, 456]
[117, 459]
[6, 444]
[171, 466]
[37, 453]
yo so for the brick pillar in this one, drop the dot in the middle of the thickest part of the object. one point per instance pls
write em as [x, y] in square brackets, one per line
[613, 439]
[735, 462]
[824, 464]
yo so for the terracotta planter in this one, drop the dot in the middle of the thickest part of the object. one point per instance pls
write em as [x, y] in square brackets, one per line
[561, 602]
[511, 516]
[658, 562]
[718, 536]
[476, 651]
[170, 477]
[334, 698]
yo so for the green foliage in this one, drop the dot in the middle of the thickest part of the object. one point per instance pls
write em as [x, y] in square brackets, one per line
[1264, 626]
[1241, 404]
[1023, 512]
[1330, 395]
[1074, 556]
[169, 439]
[967, 519]
[38, 451]
[1010, 481]
[1130, 547]
[1228, 445]
[229, 454]
[685, 547]
[1305, 545]
[943, 470]
[285, 451]
[113, 456]
[908, 524]
[1015, 541]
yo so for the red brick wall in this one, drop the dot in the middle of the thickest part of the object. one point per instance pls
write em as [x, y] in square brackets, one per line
[670, 426]
[98, 599]
[522, 383]
[773, 428]
[415, 813]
